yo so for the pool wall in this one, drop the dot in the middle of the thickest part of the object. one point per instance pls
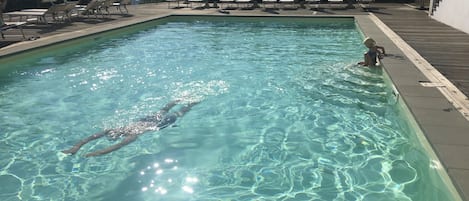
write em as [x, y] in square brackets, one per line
[429, 112]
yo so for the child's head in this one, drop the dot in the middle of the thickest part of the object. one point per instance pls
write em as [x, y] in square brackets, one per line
[369, 42]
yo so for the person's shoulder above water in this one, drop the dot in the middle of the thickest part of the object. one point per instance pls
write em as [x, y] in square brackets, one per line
[374, 54]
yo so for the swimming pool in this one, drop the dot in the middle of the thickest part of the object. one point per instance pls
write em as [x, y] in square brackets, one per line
[284, 114]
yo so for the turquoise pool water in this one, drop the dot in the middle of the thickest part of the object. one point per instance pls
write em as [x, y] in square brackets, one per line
[284, 114]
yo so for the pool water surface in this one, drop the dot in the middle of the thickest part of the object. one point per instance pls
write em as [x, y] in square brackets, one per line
[284, 113]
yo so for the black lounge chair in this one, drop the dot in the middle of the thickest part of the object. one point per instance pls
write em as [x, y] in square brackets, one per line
[12, 25]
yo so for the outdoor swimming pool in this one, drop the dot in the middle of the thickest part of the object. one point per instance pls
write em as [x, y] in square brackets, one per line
[284, 114]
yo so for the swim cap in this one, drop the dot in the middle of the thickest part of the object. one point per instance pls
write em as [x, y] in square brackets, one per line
[369, 42]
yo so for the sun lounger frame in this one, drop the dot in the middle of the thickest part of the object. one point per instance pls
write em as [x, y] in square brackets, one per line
[38, 16]
[366, 5]
[267, 2]
[12, 25]
[292, 3]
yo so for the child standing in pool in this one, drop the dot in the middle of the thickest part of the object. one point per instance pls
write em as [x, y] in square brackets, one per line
[374, 53]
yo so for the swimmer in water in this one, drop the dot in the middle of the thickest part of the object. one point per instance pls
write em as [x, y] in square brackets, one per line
[158, 121]
[374, 53]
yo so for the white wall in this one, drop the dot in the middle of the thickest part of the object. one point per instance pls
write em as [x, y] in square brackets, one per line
[454, 13]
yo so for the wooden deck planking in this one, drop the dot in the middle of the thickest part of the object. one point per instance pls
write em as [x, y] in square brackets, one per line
[446, 48]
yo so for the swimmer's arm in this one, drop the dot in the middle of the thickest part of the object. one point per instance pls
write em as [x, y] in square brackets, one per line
[168, 107]
[186, 109]
[112, 148]
[162, 112]
[381, 49]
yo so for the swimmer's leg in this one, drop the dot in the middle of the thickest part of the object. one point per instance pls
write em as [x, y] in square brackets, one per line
[112, 148]
[77, 146]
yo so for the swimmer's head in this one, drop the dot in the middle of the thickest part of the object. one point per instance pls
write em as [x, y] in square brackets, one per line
[166, 121]
[369, 42]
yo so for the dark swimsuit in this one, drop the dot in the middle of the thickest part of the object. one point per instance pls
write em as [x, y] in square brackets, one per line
[167, 120]
[161, 121]
[372, 55]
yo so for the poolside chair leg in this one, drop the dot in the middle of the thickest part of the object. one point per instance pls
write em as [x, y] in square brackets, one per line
[22, 32]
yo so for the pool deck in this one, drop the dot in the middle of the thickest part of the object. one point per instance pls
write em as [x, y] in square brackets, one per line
[427, 61]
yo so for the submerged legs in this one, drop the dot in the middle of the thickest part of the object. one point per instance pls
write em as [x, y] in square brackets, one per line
[127, 140]
[77, 146]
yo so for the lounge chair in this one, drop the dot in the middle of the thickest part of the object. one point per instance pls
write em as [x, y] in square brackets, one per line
[247, 3]
[227, 4]
[59, 12]
[337, 4]
[34, 10]
[105, 5]
[177, 1]
[12, 25]
[288, 2]
[313, 4]
[122, 3]
[62, 12]
[38, 16]
[197, 2]
[365, 4]
[267, 2]
[92, 8]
